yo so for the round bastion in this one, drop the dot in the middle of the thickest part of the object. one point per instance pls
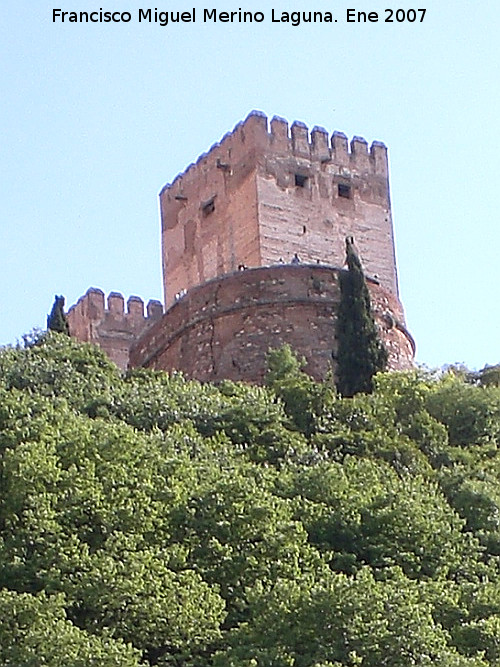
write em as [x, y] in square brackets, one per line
[224, 328]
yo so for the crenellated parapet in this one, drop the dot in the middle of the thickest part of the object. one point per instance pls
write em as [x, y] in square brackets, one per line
[280, 137]
[269, 189]
[110, 324]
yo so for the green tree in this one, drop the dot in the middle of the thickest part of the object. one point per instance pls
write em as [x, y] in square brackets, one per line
[365, 513]
[361, 354]
[151, 521]
[61, 367]
[56, 320]
[470, 413]
[303, 398]
[489, 376]
[34, 631]
[240, 533]
[346, 621]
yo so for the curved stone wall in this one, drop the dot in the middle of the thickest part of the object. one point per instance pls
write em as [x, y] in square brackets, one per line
[224, 327]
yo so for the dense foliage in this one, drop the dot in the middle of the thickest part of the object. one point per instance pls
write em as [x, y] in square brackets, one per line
[361, 353]
[148, 520]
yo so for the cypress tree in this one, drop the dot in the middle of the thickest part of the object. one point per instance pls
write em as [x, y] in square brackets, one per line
[361, 353]
[56, 320]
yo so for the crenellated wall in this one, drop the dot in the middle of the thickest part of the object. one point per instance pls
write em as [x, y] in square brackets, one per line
[225, 327]
[269, 190]
[109, 325]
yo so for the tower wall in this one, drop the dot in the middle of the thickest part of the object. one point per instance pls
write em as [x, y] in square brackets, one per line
[313, 192]
[267, 191]
[224, 328]
[209, 213]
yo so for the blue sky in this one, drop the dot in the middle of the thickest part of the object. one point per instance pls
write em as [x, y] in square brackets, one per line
[97, 118]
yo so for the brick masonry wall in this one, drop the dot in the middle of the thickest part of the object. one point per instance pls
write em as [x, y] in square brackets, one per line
[241, 203]
[224, 328]
[113, 328]
[199, 243]
[313, 220]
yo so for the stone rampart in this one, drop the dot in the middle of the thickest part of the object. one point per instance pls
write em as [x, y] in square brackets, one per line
[109, 325]
[224, 328]
[277, 201]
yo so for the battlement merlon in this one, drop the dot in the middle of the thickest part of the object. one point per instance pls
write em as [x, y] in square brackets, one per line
[92, 310]
[256, 134]
[111, 325]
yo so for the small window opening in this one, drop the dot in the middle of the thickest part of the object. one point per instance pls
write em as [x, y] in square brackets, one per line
[208, 207]
[304, 229]
[300, 180]
[344, 190]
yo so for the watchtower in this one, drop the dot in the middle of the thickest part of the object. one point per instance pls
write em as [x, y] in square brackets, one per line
[253, 244]
[268, 192]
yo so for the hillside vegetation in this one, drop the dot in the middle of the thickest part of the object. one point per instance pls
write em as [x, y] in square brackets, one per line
[148, 520]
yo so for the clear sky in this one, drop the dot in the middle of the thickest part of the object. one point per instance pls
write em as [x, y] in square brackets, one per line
[96, 118]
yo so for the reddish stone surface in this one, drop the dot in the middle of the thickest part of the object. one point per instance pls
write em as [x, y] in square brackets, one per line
[113, 328]
[225, 327]
[266, 192]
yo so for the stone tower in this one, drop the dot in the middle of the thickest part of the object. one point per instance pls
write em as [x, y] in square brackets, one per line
[253, 242]
[265, 193]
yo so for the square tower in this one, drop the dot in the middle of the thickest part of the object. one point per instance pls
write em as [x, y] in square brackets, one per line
[268, 192]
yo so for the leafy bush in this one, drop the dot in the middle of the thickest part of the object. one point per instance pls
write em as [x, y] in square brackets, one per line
[149, 520]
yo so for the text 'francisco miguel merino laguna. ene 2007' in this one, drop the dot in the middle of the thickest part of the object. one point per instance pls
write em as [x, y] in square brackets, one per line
[207, 15]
